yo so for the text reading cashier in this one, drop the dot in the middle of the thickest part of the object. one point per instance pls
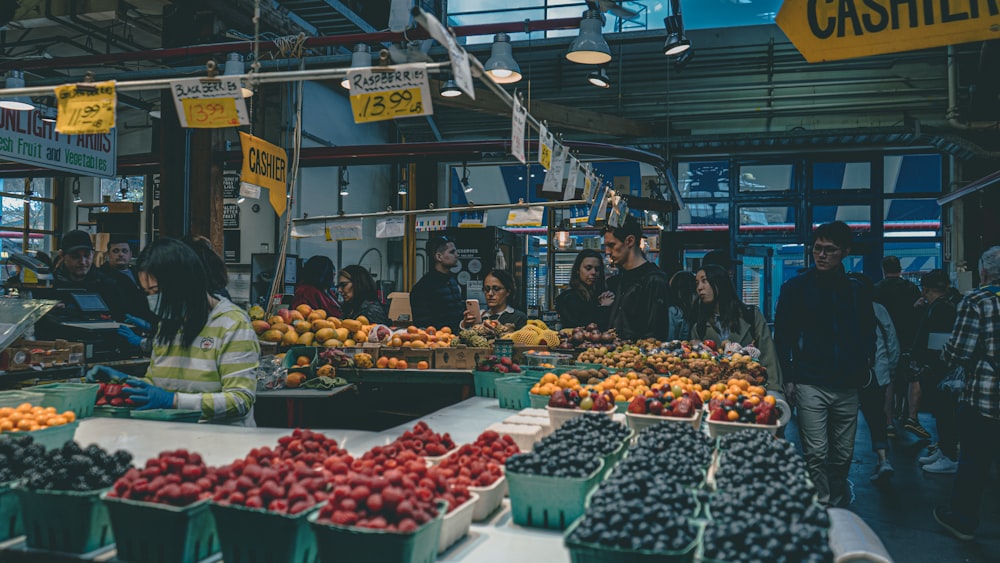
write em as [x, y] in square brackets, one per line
[205, 353]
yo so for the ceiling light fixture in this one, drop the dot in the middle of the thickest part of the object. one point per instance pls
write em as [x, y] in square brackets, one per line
[402, 189]
[76, 190]
[465, 179]
[501, 66]
[683, 59]
[599, 78]
[48, 113]
[234, 67]
[15, 79]
[360, 58]
[450, 89]
[590, 48]
[676, 42]
[343, 180]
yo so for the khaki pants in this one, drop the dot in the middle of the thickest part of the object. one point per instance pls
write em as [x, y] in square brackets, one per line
[828, 421]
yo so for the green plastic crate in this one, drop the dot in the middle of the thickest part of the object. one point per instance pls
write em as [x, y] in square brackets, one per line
[68, 521]
[51, 437]
[541, 501]
[76, 397]
[514, 392]
[11, 523]
[168, 415]
[15, 397]
[345, 544]
[582, 552]
[614, 457]
[107, 411]
[151, 532]
[538, 401]
[254, 535]
[294, 352]
[485, 382]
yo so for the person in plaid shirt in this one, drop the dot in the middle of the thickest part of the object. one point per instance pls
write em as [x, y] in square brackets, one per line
[973, 345]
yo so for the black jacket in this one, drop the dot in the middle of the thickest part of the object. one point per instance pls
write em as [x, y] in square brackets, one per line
[824, 330]
[371, 310]
[436, 300]
[575, 312]
[642, 303]
[97, 282]
[133, 298]
[939, 317]
[898, 297]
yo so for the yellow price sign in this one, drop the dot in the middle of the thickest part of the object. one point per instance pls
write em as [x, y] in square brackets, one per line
[210, 113]
[545, 157]
[86, 108]
[378, 106]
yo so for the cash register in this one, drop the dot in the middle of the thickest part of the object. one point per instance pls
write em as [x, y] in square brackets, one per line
[84, 318]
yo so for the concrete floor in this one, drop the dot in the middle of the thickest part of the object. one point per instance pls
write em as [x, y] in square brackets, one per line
[901, 513]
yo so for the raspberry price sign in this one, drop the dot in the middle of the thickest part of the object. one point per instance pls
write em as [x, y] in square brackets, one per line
[378, 94]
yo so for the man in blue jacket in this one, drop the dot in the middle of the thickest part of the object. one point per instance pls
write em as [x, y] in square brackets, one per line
[824, 331]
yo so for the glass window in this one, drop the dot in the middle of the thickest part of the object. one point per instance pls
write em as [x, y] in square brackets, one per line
[916, 258]
[766, 220]
[912, 218]
[40, 214]
[842, 176]
[703, 217]
[767, 177]
[858, 217]
[126, 188]
[703, 179]
[913, 173]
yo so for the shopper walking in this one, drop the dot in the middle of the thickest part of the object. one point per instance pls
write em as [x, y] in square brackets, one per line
[932, 330]
[684, 302]
[824, 332]
[587, 300]
[900, 296]
[974, 346]
[723, 316]
[357, 287]
[315, 282]
[436, 300]
[205, 353]
[642, 290]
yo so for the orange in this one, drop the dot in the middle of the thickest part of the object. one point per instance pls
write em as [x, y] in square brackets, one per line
[25, 424]
[302, 361]
[446, 329]
[393, 362]
[422, 365]
[396, 342]
[382, 362]
[733, 415]
[70, 416]
[769, 399]
[412, 329]
[24, 407]
[402, 365]
[6, 425]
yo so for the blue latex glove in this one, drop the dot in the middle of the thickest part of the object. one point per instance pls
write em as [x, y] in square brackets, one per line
[99, 374]
[142, 324]
[129, 335]
[148, 396]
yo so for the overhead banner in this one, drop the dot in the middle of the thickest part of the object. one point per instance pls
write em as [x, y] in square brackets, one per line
[844, 29]
[265, 165]
[517, 122]
[378, 94]
[24, 137]
[210, 103]
[86, 108]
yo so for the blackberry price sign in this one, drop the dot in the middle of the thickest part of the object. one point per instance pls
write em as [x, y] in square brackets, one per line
[86, 108]
[378, 94]
[209, 103]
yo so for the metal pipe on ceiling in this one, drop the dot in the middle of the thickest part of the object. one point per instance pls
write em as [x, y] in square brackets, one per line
[467, 208]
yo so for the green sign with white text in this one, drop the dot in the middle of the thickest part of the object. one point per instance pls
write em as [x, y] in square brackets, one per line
[26, 137]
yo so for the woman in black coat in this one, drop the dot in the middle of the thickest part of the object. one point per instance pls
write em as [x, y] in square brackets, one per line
[587, 300]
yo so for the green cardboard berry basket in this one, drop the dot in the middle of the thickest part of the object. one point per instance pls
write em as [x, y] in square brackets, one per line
[11, 523]
[583, 552]
[251, 534]
[349, 544]
[168, 415]
[146, 531]
[108, 411]
[294, 352]
[15, 397]
[541, 501]
[538, 401]
[513, 392]
[67, 521]
[51, 437]
[614, 457]
[76, 397]
[485, 382]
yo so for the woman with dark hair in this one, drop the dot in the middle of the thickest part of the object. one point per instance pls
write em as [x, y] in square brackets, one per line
[722, 316]
[357, 287]
[205, 353]
[684, 305]
[501, 292]
[586, 301]
[315, 282]
[215, 267]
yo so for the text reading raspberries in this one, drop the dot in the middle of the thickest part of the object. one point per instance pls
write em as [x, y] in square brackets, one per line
[425, 442]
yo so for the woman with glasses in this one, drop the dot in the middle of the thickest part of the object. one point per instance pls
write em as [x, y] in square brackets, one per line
[357, 287]
[587, 300]
[315, 282]
[205, 352]
[500, 293]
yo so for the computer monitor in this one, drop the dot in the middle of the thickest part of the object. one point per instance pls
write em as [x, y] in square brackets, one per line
[89, 302]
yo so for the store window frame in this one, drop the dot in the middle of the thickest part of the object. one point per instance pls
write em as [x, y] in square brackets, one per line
[51, 230]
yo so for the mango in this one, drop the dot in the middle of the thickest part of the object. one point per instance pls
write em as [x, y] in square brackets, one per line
[333, 343]
[306, 339]
[351, 325]
[260, 326]
[290, 338]
[342, 334]
[324, 334]
[272, 335]
[303, 327]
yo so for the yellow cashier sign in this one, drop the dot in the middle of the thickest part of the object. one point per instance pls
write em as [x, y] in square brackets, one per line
[265, 165]
[829, 30]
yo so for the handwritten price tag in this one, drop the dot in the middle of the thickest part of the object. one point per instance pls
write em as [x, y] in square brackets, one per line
[380, 94]
[387, 105]
[86, 108]
[545, 157]
[210, 113]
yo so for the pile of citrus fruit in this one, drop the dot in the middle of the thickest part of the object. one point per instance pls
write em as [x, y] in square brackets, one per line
[27, 417]
[735, 388]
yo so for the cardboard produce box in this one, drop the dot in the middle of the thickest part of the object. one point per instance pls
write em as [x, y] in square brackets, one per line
[399, 308]
[411, 355]
[25, 354]
[459, 358]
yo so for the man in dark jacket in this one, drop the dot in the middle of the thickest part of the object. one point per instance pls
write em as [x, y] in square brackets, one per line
[436, 300]
[76, 271]
[642, 291]
[119, 266]
[824, 332]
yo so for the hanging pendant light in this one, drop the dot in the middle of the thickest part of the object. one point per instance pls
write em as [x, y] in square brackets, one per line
[590, 48]
[501, 66]
[234, 67]
[15, 79]
[676, 42]
[599, 78]
[360, 58]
